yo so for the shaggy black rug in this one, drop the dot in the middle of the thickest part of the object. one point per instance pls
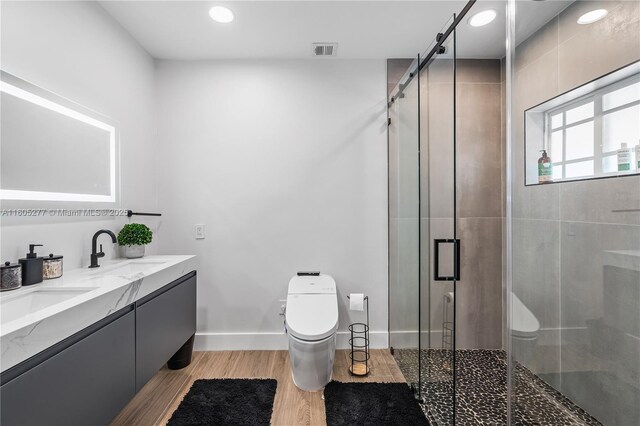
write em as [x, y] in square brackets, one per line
[372, 404]
[227, 402]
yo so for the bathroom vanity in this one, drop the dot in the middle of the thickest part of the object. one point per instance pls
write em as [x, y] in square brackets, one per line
[81, 346]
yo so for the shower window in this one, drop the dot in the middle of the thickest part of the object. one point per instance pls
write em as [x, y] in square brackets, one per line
[582, 130]
[584, 136]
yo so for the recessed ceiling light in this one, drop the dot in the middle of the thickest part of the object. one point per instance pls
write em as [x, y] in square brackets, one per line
[593, 16]
[221, 14]
[482, 18]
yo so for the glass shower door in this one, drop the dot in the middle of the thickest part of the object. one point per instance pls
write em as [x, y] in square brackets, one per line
[404, 226]
[423, 250]
[440, 249]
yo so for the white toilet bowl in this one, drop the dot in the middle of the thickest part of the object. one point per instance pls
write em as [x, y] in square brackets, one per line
[524, 330]
[311, 321]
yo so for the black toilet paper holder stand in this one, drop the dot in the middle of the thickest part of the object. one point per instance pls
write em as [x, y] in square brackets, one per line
[359, 344]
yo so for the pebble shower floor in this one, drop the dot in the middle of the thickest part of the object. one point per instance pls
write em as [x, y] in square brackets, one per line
[481, 390]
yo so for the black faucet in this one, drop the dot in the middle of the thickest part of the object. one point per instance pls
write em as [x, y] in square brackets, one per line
[95, 256]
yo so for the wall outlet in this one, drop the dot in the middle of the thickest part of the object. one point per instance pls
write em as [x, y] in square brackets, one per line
[199, 232]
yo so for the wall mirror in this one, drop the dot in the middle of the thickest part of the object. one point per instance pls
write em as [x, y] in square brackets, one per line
[53, 150]
[590, 132]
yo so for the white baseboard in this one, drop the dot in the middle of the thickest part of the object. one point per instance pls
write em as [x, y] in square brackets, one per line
[271, 341]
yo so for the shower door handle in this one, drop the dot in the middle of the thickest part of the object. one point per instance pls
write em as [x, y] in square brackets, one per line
[436, 260]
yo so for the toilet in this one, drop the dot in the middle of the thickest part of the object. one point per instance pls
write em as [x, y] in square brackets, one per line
[311, 321]
[524, 330]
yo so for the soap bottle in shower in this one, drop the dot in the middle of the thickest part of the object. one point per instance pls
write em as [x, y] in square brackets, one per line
[624, 158]
[638, 156]
[545, 170]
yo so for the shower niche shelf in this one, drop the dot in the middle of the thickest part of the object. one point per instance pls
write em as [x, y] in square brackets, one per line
[579, 134]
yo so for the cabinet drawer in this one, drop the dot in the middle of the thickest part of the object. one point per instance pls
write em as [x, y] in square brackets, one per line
[87, 383]
[164, 323]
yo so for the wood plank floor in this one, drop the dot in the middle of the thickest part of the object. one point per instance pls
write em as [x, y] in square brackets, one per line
[157, 400]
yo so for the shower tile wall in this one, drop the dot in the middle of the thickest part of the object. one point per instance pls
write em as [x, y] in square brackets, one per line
[479, 191]
[563, 234]
[479, 194]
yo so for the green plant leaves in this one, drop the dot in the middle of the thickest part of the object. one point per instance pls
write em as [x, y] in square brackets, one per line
[133, 234]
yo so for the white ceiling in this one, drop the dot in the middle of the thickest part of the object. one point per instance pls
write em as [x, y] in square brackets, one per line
[183, 30]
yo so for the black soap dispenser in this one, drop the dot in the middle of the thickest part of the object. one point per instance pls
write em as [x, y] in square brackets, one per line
[32, 267]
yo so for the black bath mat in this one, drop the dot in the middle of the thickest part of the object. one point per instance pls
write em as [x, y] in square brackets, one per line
[372, 404]
[227, 402]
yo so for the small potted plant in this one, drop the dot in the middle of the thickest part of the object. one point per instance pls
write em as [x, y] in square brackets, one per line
[132, 238]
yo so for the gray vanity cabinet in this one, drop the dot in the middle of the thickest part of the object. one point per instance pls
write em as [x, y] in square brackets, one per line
[87, 382]
[89, 377]
[165, 321]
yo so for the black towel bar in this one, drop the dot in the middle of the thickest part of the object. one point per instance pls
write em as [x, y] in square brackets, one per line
[132, 213]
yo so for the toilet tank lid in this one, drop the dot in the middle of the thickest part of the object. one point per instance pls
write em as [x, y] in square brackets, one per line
[319, 284]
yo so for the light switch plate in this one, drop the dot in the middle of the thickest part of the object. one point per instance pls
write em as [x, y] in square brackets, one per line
[200, 232]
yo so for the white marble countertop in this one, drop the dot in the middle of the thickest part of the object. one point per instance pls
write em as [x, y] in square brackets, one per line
[35, 317]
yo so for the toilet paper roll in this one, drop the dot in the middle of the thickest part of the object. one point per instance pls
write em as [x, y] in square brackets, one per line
[356, 301]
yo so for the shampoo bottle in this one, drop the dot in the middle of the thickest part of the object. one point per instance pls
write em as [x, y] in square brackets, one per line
[545, 170]
[638, 156]
[624, 158]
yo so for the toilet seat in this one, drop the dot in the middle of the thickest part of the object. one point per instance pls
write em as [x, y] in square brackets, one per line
[312, 308]
[311, 321]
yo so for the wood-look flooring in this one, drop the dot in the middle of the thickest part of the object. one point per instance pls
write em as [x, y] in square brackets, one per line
[158, 399]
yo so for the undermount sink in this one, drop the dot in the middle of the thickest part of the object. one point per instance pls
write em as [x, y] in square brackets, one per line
[127, 269]
[15, 306]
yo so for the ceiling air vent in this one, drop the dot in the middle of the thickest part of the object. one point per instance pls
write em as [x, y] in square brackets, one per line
[324, 49]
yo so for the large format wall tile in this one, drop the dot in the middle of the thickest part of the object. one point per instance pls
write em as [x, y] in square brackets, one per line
[601, 200]
[434, 291]
[537, 82]
[477, 71]
[562, 232]
[478, 172]
[541, 42]
[584, 288]
[440, 71]
[536, 282]
[539, 202]
[536, 268]
[581, 282]
[534, 83]
[479, 190]
[438, 183]
[479, 291]
[600, 319]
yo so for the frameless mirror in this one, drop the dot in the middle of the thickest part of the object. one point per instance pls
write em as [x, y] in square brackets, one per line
[52, 149]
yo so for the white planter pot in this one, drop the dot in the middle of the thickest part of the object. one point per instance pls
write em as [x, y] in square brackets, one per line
[133, 252]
